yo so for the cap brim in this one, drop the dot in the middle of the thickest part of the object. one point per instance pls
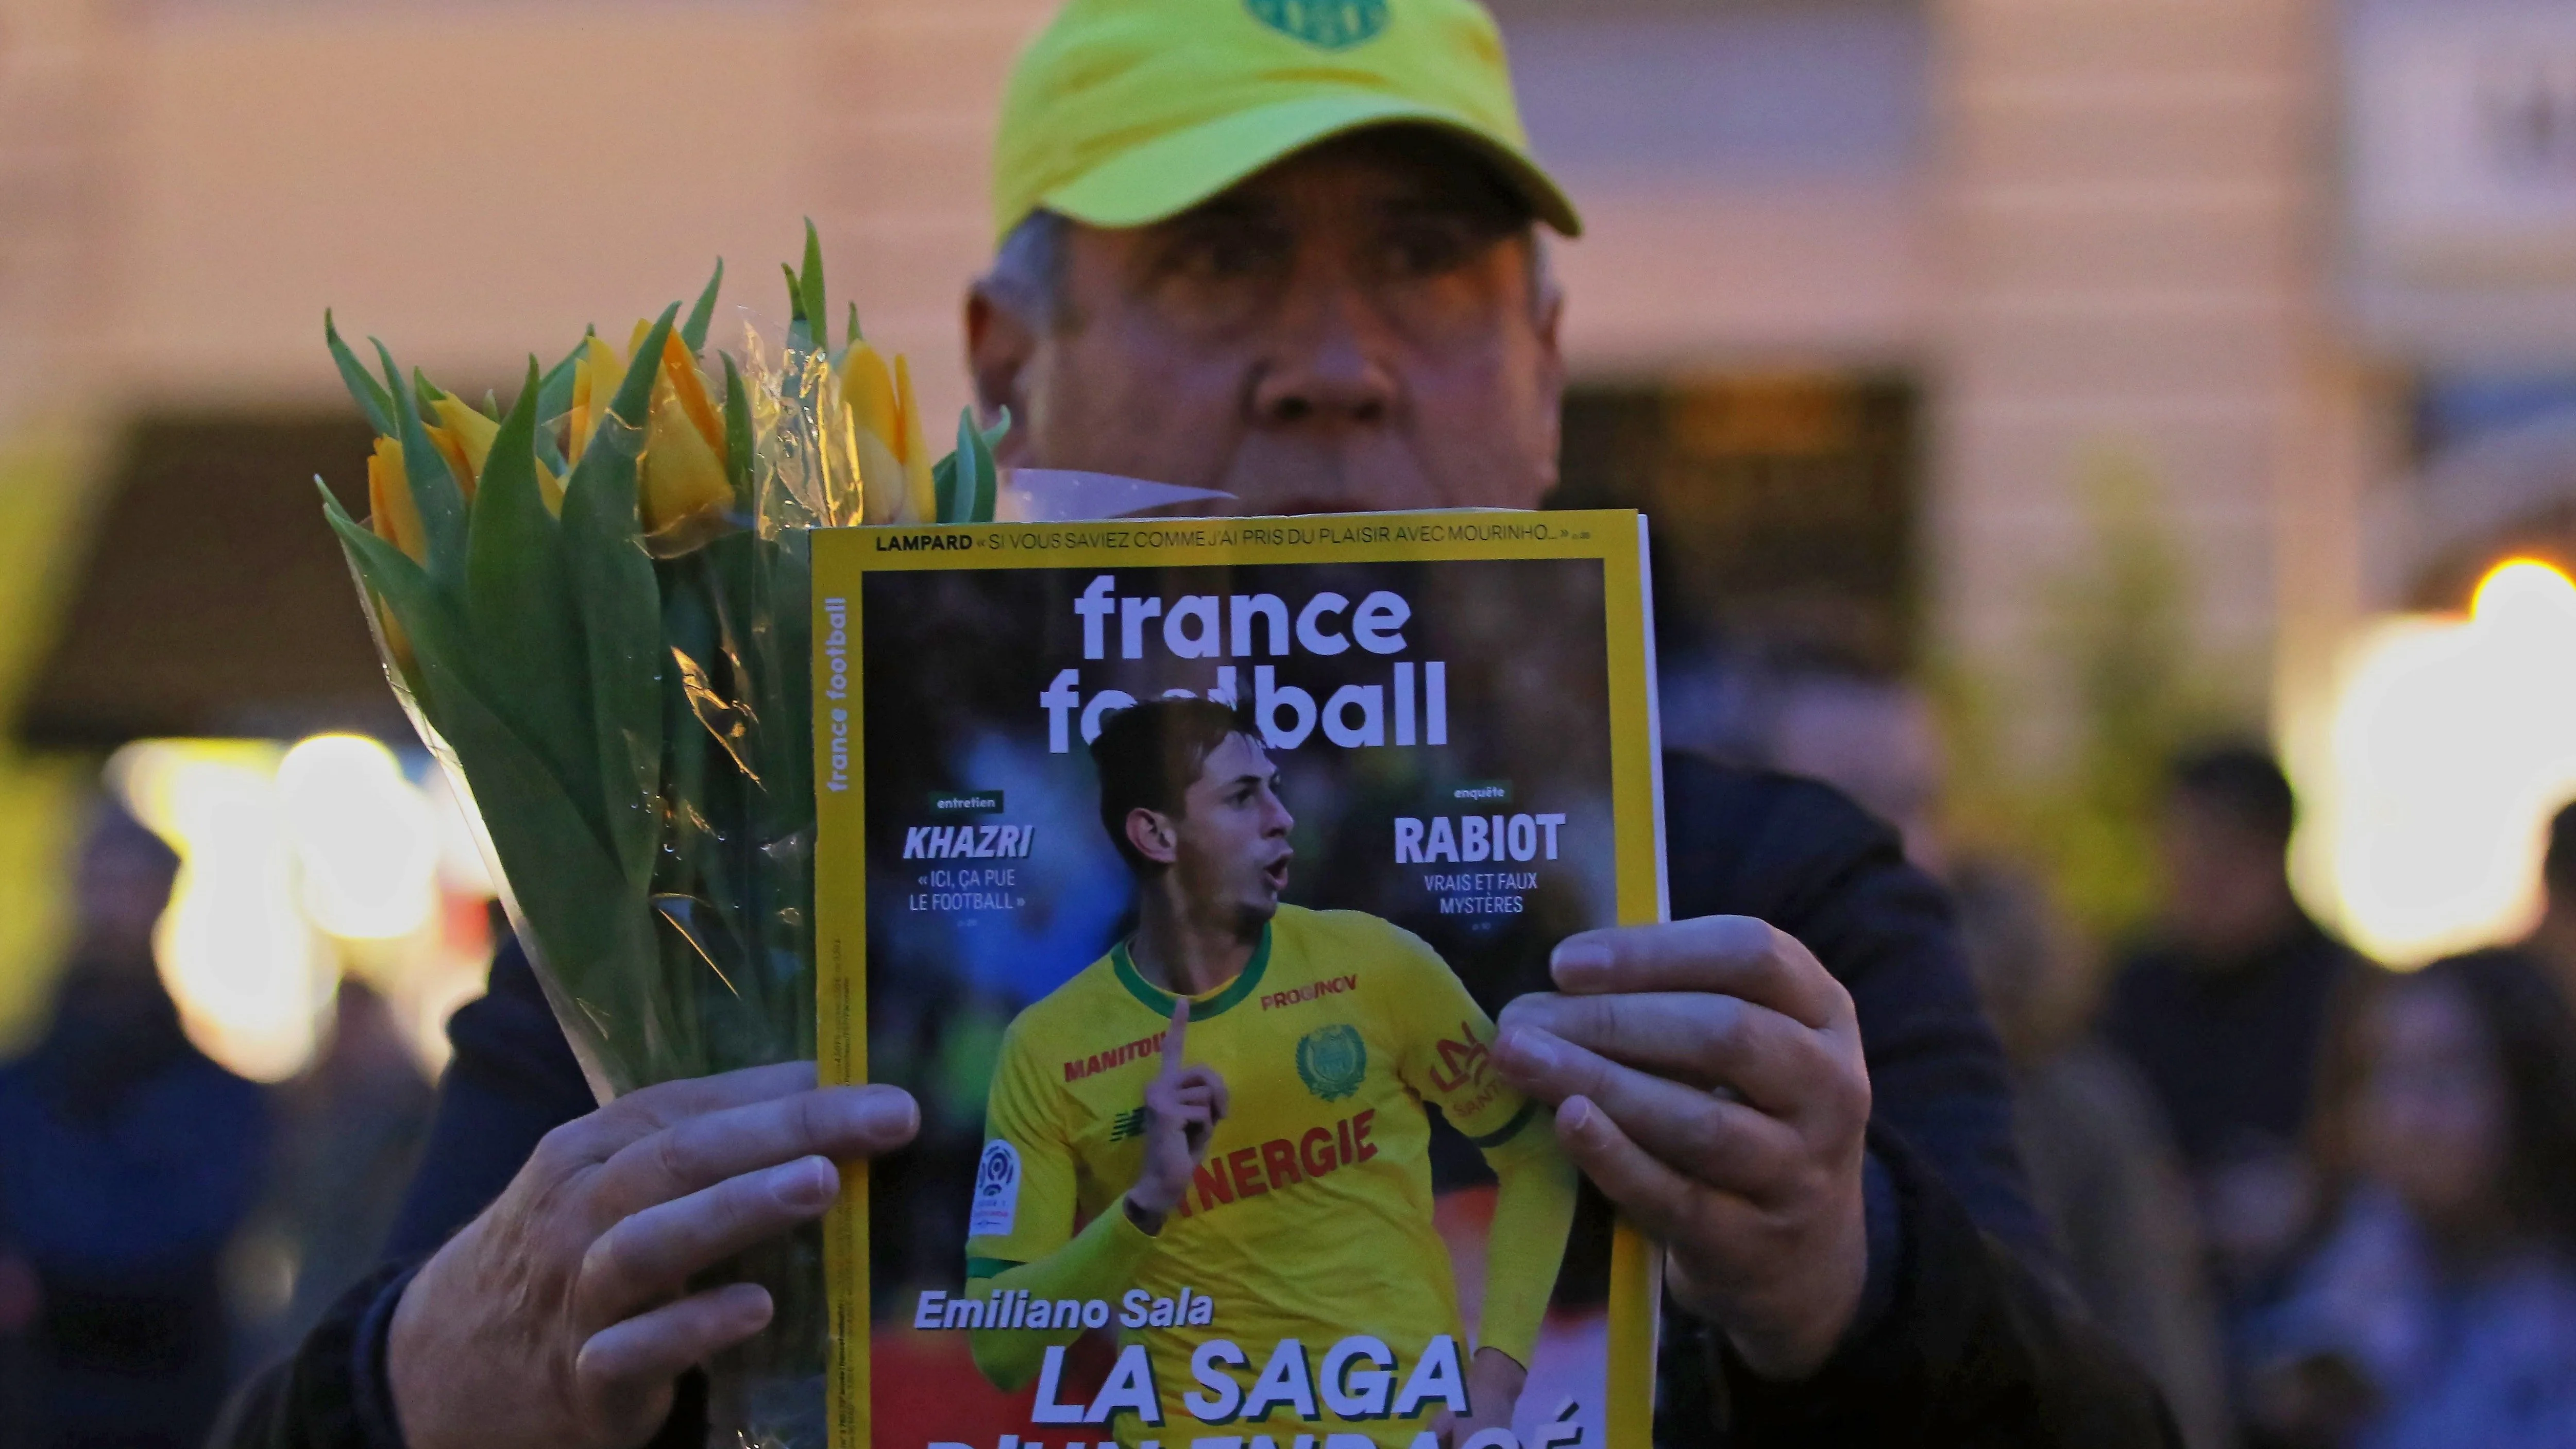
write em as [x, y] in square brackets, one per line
[1171, 174]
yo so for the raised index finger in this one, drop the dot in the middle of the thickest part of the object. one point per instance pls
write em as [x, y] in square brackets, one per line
[1175, 1039]
[1734, 955]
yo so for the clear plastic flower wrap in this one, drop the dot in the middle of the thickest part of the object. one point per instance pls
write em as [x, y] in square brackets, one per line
[593, 604]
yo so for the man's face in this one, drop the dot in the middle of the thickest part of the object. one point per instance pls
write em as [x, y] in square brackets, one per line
[1229, 845]
[1354, 328]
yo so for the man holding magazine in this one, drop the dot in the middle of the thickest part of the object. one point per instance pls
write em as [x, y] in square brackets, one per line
[1289, 251]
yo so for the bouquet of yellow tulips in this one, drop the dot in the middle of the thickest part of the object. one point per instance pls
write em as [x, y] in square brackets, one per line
[594, 606]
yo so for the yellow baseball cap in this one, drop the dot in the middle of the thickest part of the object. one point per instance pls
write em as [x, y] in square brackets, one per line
[1125, 112]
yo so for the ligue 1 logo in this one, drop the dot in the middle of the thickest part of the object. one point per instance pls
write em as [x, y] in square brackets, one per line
[999, 1167]
[1327, 24]
[997, 1191]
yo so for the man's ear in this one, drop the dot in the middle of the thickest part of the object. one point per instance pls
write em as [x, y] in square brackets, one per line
[999, 348]
[1150, 832]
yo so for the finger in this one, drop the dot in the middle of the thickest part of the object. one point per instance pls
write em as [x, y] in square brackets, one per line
[1176, 1038]
[647, 1110]
[1655, 1198]
[1208, 1078]
[1727, 1145]
[1697, 1038]
[1736, 955]
[651, 1256]
[834, 1122]
[644, 1353]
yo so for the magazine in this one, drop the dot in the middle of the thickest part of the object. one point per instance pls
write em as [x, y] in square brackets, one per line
[1179, 868]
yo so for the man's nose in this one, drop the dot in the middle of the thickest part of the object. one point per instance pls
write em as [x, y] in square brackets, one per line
[1331, 367]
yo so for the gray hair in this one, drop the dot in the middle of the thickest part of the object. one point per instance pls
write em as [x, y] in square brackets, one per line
[1027, 275]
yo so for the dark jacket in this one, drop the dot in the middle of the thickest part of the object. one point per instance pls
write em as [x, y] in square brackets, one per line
[1961, 1341]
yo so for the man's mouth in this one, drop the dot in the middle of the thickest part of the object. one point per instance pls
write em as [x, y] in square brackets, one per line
[1277, 873]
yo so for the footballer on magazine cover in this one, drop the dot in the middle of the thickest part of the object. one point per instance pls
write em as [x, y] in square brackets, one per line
[1217, 1129]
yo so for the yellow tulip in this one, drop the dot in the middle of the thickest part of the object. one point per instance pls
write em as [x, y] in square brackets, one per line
[868, 388]
[894, 456]
[921, 493]
[464, 437]
[680, 375]
[465, 440]
[594, 386]
[395, 516]
[392, 511]
[684, 491]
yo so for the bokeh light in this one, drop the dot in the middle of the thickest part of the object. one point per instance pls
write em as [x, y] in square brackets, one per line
[2454, 741]
[299, 864]
[363, 837]
[236, 951]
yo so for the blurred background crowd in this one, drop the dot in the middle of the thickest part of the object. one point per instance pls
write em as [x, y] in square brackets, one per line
[2129, 444]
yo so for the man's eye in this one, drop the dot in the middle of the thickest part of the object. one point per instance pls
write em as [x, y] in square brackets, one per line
[1428, 250]
[1220, 256]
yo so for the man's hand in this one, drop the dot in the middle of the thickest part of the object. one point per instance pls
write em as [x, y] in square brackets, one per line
[1494, 1383]
[1707, 1074]
[560, 1317]
[1182, 1107]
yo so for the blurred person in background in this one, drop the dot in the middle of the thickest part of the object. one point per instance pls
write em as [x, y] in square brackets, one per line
[127, 1160]
[349, 1129]
[2439, 1309]
[1808, 706]
[2103, 1170]
[2102, 1166]
[2552, 943]
[2224, 1006]
[1872, 737]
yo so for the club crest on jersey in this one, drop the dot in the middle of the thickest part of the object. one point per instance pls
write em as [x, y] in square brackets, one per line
[1332, 1060]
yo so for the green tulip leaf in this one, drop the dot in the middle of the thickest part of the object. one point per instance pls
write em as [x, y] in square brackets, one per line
[612, 578]
[519, 605]
[369, 393]
[693, 333]
[810, 290]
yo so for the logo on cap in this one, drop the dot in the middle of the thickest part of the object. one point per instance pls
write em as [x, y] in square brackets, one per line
[1328, 24]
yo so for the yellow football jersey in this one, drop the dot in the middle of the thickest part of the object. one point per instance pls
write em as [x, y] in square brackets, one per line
[1310, 1215]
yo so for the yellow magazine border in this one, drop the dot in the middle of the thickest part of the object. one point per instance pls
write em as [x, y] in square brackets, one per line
[1614, 537]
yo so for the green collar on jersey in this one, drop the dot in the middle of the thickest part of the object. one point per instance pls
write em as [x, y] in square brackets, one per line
[1160, 1002]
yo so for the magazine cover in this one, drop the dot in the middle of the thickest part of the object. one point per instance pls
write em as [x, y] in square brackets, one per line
[1180, 868]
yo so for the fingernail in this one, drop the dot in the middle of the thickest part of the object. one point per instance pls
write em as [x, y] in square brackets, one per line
[1578, 959]
[753, 1308]
[807, 1184]
[889, 1111]
[1575, 1114]
[1534, 1049]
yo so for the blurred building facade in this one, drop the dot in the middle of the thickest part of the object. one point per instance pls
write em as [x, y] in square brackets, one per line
[1876, 293]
